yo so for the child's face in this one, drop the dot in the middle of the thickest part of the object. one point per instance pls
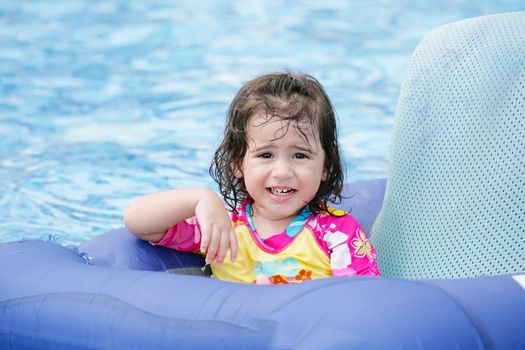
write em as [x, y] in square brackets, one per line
[282, 170]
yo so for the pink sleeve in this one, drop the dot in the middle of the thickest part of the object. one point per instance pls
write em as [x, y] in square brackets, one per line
[351, 253]
[184, 236]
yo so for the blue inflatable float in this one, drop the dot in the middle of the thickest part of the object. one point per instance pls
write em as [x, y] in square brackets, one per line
[449, 229]
[108, 294]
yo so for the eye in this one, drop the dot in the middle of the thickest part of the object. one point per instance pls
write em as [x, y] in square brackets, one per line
[265, 155]
[300, 156]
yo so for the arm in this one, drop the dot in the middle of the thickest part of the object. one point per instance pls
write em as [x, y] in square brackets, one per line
[351, 253]
[149, 218]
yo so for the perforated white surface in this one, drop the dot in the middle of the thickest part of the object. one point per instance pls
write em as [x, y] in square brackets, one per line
[455, 199]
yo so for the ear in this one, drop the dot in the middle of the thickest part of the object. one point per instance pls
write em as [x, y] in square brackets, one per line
[237, 171]
[325, 175]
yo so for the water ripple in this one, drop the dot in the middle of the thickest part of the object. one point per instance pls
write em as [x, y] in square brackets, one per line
[103, 101]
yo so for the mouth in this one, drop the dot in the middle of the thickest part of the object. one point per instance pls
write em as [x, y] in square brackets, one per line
[281, 191]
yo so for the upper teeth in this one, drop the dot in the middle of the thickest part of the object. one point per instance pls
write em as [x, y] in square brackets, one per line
[281, 190]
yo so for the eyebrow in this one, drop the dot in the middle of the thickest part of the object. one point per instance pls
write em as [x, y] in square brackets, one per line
[262, 147]
[271, 146]
[309, 150]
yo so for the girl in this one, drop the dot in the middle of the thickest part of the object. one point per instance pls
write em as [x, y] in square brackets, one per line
[277, 168]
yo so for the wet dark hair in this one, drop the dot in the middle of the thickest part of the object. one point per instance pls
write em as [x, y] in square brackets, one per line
[296, 98]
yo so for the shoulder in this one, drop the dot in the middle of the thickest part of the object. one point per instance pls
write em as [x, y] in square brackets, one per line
[335, 227]
[334, 219]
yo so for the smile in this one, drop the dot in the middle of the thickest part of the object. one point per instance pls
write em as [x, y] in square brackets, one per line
[281, 191]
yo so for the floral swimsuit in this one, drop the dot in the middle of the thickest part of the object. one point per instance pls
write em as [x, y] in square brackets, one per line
[312, 246]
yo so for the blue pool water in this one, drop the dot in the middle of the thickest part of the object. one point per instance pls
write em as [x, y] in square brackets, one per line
[102, 101]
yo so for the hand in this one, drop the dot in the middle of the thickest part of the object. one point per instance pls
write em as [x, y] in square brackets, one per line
[217, 234]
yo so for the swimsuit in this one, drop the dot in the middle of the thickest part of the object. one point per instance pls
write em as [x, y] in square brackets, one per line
[313, 246]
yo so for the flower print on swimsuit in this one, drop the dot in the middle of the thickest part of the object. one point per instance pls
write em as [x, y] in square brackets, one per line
[362, 245]
[280, 271]
[304, 275]
[341, 256]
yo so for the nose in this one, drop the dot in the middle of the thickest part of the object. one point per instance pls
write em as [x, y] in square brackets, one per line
[282, 169]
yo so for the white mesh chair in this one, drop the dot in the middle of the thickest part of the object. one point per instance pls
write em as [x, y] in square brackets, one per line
[455, 199]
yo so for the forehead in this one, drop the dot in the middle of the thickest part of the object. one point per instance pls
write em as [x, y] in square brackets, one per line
[277, 127]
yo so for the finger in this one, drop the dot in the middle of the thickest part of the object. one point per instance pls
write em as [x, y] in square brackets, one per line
[205, 238]
[213, 246]
[197, 236]
[233, 246]
[223, 247]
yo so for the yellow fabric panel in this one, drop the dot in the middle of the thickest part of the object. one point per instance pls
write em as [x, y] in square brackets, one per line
[303, 259]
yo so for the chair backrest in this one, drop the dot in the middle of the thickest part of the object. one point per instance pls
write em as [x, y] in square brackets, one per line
[455, 199]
